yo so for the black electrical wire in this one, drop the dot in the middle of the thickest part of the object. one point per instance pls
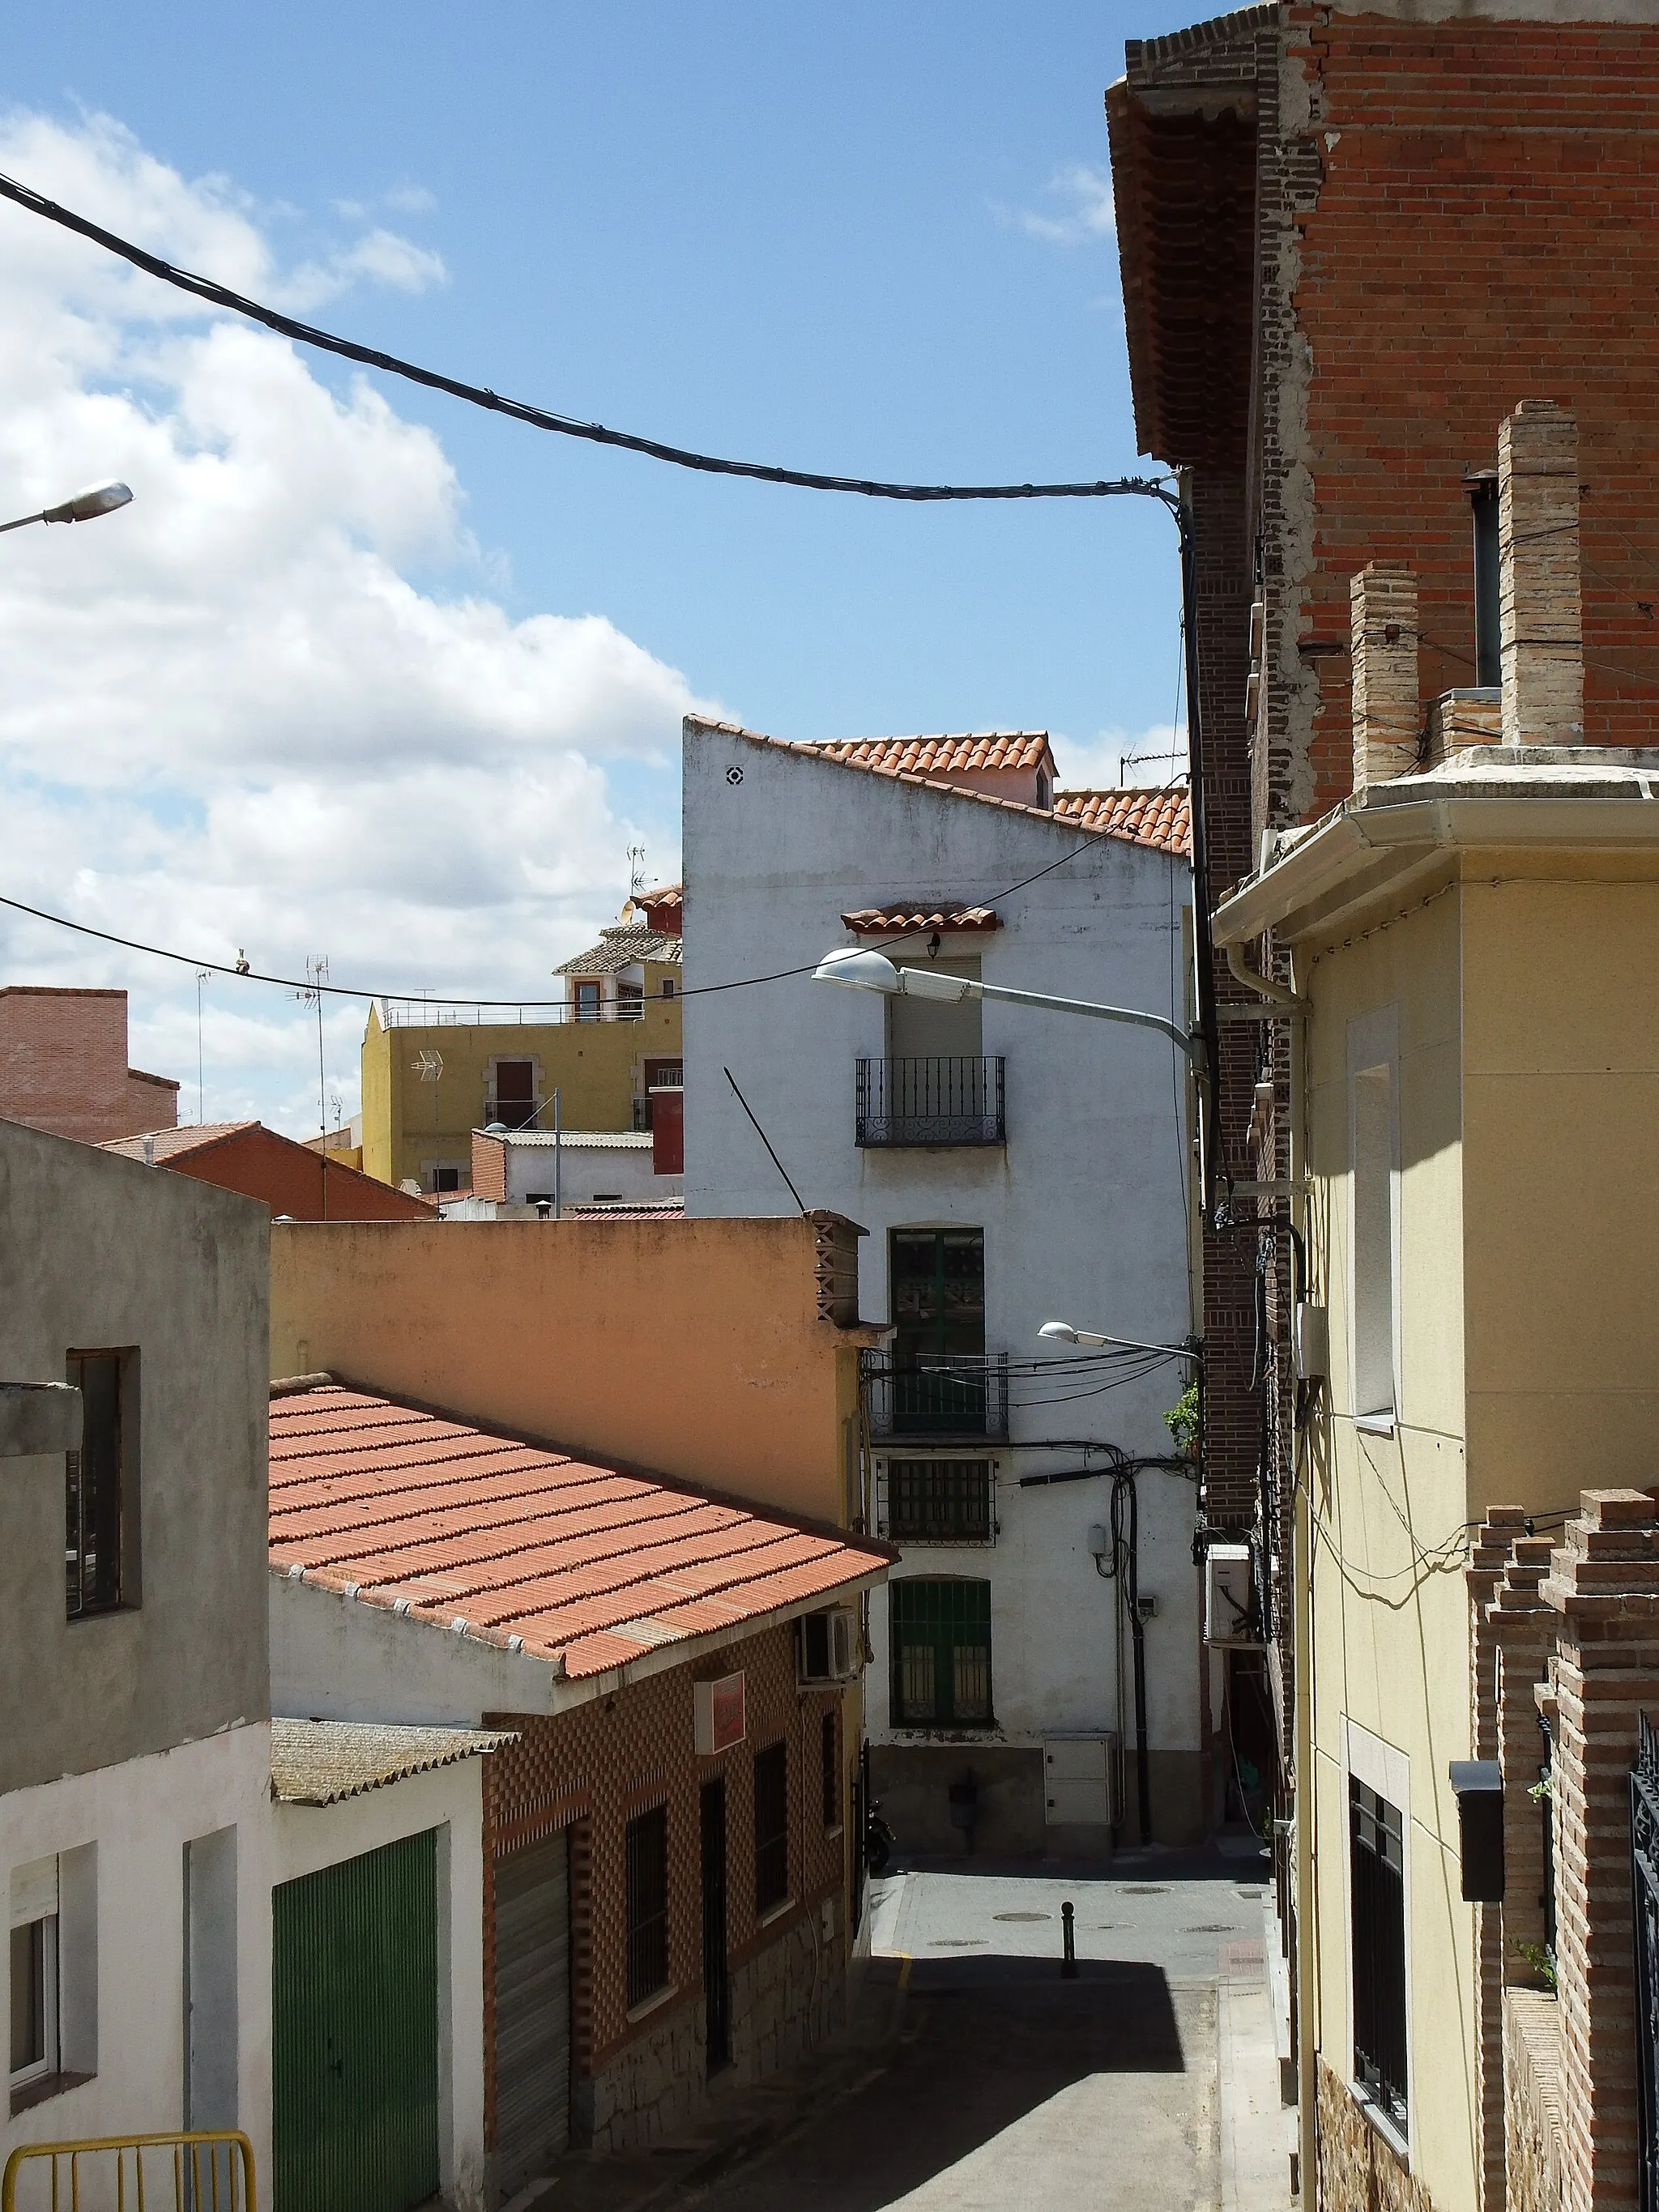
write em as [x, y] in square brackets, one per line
[543, 418]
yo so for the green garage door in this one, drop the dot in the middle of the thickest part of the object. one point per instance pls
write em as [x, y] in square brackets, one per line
[355, 2033]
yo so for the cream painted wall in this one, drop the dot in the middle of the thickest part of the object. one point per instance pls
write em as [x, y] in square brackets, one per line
[140, 1815]
[451, 1800]
[1390, 1635]
[1561, 1078]
[689, 1348]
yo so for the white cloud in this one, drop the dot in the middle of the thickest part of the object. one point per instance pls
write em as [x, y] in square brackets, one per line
[1082, 212]
[230, 718]
[1115, 756]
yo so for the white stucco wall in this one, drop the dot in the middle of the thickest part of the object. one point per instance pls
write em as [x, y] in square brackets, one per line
[1083, 1213]
[140, 1815]
[308, 1837]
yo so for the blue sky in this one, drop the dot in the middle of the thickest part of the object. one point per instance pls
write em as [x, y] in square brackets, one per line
[870, 239]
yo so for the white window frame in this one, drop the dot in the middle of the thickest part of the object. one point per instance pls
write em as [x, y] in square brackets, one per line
[1373, 1060]
[1368, 1758]
[29, 1885]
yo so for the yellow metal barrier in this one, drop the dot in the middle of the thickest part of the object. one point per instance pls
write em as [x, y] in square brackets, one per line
[194, 2168]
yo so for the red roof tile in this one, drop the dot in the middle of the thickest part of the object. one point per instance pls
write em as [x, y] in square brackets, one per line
[945, 916]
[586, 1563]
[1160, 818]
[977, 752]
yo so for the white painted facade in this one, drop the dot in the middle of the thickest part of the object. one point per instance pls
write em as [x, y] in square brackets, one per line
[1083, 1210]
[449, 1799]
[121, 1836]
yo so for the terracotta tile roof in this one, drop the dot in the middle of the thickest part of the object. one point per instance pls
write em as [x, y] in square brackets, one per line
[947, 916]
[1160, 818]
[585, 1564]
[1072, 809]
[321, 1762]
[977, 752]
[621, 946]
[169, 1143]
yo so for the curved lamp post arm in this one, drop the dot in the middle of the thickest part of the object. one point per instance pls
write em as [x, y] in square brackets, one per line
[85, 506]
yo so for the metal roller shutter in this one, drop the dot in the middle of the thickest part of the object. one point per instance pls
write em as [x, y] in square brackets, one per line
[532, 2010]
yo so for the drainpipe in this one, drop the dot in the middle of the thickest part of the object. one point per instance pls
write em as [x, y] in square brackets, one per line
[557, 1161]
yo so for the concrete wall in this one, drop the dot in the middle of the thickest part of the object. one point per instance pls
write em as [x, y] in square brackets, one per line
[1082, 1211]
[598, 1067]
[98, 1253]
[124, 2007]
[308, 1837]
[720, 1371]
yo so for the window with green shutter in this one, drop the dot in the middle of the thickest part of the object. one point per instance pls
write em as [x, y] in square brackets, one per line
[940, 1653]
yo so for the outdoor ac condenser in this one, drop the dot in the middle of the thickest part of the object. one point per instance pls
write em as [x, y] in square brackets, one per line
[1230, 1597]
[826, 1647]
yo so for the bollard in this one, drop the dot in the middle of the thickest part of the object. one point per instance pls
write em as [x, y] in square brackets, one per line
[1068, 1964]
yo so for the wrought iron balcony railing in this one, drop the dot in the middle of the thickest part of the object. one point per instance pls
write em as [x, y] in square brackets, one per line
[949, 1100]
[937, 1395]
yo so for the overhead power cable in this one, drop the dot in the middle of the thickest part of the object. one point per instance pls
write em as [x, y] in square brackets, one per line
[543, 418]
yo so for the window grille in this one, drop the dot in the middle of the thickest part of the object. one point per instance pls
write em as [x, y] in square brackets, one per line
[647, 1847]
[96, 1478]
[941, 1653]
[1377, 1881]
[830, 1755]
[771, 1827]
[938, 1501]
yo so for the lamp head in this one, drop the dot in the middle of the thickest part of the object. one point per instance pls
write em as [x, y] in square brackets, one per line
[85, 506]
[1058, 1332]
[860, 968]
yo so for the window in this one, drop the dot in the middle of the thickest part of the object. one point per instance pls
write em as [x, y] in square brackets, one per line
[1488, 653]
[937, 1029]
[831, 1756]
[646, 1844]
[33, 1972]
[630, 1001]
[668, 987]
[771, 1827]
[937, 1290]
[445, 1179]
[1375, 1210]
[1377, 1884]
[100, 1485]
[513, 1101]
[587, 1001]
[940, 1653]
[940, 1501]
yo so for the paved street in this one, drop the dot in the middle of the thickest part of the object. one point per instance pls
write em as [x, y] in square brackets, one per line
[977, 2079]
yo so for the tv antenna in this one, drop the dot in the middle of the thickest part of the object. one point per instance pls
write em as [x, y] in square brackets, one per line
[316, 976]
[635, 870]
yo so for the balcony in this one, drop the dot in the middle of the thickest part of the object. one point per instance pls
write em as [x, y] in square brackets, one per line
[512, 1113]
[951, 1101]
[938, 1395]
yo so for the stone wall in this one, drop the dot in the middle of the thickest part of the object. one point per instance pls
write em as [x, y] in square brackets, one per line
[1532, 2100]
[788, 1998]
[1358, 2171]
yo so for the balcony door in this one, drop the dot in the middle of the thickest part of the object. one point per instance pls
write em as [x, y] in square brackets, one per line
[935, 1029]
[937, 1279]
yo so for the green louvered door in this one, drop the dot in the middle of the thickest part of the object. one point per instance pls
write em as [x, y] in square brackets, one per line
[355, 2033]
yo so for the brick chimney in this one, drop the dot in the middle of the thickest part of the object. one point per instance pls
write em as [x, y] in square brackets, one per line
[1539, 609]
[1387, 718]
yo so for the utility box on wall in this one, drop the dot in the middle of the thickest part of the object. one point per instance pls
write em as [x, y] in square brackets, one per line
[1078, 1773]
[1230, 1598]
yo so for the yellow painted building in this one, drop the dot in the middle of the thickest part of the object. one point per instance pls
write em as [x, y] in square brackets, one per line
[427, 1083]
[1472, 1166]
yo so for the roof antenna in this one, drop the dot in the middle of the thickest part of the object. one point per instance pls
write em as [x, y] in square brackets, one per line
[635, 870]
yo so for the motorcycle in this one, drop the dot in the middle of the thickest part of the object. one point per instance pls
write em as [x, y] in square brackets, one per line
[878, 1839]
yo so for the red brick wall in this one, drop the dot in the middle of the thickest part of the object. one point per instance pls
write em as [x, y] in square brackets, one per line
[1482, 235]
[592, 1771]
[64, 1067]
[488, 1167]
[291, 1180]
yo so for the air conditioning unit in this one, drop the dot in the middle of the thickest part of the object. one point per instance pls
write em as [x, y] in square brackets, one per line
[1230, 1597]
[826, 1647]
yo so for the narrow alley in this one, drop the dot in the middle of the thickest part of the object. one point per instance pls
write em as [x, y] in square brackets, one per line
[976, 2077]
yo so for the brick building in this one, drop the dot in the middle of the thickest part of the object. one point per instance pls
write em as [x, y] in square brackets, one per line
[291, 1178]
[671, 1882]
[64, 1067]
[1349, 243]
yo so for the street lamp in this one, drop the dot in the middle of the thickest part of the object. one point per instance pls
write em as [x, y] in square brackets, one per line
[85, 506]
[862, 971]
[1061, 1332]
